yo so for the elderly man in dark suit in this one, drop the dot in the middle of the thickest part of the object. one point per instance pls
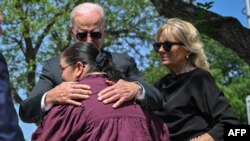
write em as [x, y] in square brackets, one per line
[87, 25]
[9, 128]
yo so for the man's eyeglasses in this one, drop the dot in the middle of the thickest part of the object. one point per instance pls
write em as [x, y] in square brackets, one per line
[83, 35]
[166, 45]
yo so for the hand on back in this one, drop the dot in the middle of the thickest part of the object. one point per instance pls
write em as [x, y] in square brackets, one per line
[119, 92]
[68, 93]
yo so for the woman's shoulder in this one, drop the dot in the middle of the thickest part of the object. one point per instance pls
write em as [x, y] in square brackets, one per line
[200, 75]
[200, 72]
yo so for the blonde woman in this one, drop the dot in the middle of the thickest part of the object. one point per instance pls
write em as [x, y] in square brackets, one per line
[194, 107]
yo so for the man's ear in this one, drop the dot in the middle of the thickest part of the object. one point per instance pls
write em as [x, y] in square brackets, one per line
[70, 30]
[104, 31]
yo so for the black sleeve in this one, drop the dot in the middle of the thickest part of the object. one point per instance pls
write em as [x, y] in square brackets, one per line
[211, 102]
[30, 109]
[153, 99]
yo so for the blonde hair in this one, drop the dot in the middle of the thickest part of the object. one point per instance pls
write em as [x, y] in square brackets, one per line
[86, 8]
[187, 34]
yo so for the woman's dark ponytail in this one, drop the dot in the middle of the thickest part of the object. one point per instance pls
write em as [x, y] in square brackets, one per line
[105, 63]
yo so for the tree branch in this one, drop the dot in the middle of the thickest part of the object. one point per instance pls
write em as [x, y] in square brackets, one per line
[226, 30]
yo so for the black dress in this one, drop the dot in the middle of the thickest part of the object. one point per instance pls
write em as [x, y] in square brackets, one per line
[194, 105]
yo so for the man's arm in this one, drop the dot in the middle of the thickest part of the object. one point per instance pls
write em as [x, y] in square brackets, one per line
[153, 98]
[50, 82]
[30, 109]
[9, 128]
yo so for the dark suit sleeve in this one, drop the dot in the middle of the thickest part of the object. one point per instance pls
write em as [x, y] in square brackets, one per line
[153, 99]
[210, 101]
[30, 109]
[9, 128]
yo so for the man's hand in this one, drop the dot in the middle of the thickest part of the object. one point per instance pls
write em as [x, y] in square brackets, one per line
[67, 93]
[120, 92]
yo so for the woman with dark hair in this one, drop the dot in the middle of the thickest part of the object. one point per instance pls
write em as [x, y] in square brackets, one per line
[93, 120]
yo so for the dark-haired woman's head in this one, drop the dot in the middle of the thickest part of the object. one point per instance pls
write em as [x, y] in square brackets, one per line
[80, 59]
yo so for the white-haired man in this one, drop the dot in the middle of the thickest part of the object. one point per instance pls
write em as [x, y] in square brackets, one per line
[87, 25]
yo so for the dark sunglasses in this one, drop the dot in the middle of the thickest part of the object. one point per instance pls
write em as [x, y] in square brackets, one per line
[166, 45]
[83, 35]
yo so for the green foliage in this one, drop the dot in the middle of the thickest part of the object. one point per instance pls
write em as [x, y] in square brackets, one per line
[37, 30]
[27, 40]
[232, 75]
[155, 70]
[237, 92]
[131, 27]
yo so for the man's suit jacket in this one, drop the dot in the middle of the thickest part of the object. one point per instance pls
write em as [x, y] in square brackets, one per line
[9, 128]
[30, 109]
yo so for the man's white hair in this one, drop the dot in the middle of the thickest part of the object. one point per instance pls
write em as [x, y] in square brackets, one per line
[86, 8]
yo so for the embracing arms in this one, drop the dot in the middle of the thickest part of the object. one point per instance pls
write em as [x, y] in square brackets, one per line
[58, 92]
[136, 88]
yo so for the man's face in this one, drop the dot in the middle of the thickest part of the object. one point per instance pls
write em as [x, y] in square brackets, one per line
[87, 28]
